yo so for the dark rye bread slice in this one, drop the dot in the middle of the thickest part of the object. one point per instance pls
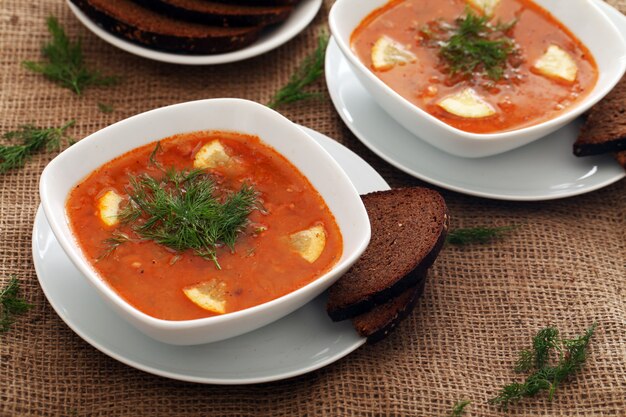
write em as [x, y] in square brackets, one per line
[138, 24]
[605, 128]
[220, 14]
[409, 226]
[261, 2]
[377, 323]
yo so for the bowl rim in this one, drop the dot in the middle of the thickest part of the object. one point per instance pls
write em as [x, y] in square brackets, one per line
[336, 26]
[75, 253]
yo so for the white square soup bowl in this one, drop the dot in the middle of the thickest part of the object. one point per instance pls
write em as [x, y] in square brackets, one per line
[582, 17]
[78, 161]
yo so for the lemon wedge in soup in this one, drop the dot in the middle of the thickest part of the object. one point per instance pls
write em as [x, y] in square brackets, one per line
[109, 207]
[387, 53]
[211, 155]
[556, 63]
[487, 7]
[209, 295]
[309, 243]
[468, 104]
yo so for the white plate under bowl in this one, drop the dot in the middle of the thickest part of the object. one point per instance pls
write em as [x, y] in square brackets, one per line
[271, 38]
[299, 343]
[543, 170]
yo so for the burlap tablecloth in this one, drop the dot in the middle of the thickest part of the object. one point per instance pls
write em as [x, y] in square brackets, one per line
[565, 266]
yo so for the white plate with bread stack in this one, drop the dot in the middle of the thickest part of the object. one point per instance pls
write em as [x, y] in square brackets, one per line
[363, 306]
[194, 32]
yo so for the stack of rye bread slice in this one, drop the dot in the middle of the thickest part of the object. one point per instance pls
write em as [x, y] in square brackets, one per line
[604, 130]
[187, 26]
[409, 226]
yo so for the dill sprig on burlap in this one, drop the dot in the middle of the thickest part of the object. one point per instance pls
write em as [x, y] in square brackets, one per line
[551, 360]
[11, 304]
[31, 139]
[307, 73]
[64, 63]
[459, 408]
[105, 108]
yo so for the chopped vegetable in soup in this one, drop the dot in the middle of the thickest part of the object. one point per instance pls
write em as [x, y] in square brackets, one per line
[482, 66]
[201, 224]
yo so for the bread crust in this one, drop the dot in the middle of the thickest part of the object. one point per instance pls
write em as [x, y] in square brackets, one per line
[205, 39]
[604, 130]
[339, 308]
[376, 324]
[219, 14]
[261, 2]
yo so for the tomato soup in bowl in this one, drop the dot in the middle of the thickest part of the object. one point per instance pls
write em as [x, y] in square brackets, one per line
[480, 77]
[202, 224]
[485, 69]
[200, 236]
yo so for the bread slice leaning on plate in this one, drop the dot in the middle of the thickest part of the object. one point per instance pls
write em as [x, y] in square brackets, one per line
[409, 227]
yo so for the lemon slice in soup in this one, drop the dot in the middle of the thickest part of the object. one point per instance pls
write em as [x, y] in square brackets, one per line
[309, 243]
[209, 295]
[487, 7]
[109, 207]
[387, 53]
[556, 63]
[211, 155]
[468, 104]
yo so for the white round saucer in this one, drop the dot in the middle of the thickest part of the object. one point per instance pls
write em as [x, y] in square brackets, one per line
[299, 343]
[271, 38]
[543, 170]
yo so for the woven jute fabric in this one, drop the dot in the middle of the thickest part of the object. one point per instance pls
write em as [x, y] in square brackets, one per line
[565, 266]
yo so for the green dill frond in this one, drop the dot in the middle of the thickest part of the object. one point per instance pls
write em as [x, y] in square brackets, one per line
[544, 343]
[505, 27]
[105, 108]
[459, 408]
[64, 62]
[526, 361]
[308, 72]
[117, 239]
[472, 45]
[11, 304]
[31, 140]
[477, 235]
[182, 211]
[552, 360]
[153, 155]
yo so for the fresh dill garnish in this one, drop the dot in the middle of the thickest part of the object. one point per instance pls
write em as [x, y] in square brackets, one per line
[105, 108]
[477, 235]
[117, 239]
[308, 72]
[11, 304]
[152, 159]
[64, 62]
[551, 360]
[472, 45]
[31, 139]
[459, 408]
[181, 210]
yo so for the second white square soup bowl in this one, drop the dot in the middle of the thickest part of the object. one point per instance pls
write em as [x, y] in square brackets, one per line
[582, 17]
